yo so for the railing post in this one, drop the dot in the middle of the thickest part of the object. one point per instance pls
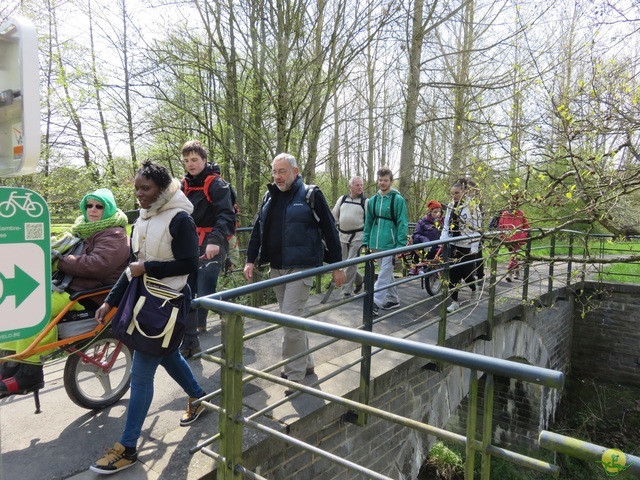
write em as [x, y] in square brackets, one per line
[525, 273]
[472, 418]
[255, 296]
[552, 254]
[570, 264]
[444, 278]
[487, 427]
[367, 322]
[232, 332]
[585, 254]
[493, 277]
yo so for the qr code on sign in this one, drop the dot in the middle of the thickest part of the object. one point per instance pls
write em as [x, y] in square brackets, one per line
[34, 231]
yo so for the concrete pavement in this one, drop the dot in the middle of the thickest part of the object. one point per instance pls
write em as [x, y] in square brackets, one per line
[64, 439]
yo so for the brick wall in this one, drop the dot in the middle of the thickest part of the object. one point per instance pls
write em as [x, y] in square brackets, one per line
[606, 334]
[436, 398]
[516, 413]
[521, 409]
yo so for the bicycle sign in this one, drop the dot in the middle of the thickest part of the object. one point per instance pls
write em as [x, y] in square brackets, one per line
[25, 270]
[17, 202]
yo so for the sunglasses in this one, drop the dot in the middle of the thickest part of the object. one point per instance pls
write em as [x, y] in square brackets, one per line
[94, 205]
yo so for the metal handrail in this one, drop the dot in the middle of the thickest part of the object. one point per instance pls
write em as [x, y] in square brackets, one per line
[232, 375]
[587, 451]
[495, 366]
[233, 315]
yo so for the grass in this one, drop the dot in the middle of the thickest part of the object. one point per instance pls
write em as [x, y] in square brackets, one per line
[618, 272]
[60, 228]
[443, 463]
[596, 246]
[621, 272]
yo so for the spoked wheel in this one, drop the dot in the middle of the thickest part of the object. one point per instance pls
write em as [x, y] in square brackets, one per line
[101, 377]
[433, 283]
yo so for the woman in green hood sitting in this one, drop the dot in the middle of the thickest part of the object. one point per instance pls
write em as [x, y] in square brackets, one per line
[104, 256]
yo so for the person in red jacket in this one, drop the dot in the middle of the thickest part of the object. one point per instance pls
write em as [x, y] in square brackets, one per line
[516, 227]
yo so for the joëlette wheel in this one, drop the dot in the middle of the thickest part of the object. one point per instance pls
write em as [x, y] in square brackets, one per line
[433, 284]
[98, 385]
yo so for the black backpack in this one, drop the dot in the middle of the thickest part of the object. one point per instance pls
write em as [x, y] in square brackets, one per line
[393, 213]
[495, 220]
[346, 195]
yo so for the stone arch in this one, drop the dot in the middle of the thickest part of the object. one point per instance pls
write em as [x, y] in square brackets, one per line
[514, 340]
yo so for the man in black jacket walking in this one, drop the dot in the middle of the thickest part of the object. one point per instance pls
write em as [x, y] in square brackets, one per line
[288, 234]
[215, 220]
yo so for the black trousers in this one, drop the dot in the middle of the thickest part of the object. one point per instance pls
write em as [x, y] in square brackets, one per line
[461, 270]
[479, 266]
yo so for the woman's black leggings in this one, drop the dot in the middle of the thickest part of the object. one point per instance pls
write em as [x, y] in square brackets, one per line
[458, 272]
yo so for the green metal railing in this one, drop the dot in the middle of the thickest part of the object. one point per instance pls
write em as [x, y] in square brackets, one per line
[234, 373]
[591, 453]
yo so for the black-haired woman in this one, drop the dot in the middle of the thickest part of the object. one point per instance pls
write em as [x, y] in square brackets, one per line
[164, 246]
[461, 220]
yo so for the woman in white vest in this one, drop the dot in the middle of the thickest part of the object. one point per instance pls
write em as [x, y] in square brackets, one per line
[462, 220]
[164, 246]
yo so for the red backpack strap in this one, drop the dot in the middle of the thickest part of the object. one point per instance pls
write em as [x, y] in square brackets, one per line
[207, 184]
[186, 188]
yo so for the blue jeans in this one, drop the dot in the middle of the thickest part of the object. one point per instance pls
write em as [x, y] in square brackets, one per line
[143, 370]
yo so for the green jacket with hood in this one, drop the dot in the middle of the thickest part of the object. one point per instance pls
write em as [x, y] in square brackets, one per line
[381, 230]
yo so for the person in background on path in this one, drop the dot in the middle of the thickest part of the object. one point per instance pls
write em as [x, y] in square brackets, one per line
[104, 256]
[215, 220]
[349, 213]
[516, 227]
[474, 198]
[385, 228]
[288, 233]
[165, 246]
[429, 227]
[461, 220]
[233, 259]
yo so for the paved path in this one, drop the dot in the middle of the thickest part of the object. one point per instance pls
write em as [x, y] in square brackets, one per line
[64, 439]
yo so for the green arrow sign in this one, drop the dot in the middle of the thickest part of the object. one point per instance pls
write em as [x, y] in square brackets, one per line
[25, 269]
[21, 285]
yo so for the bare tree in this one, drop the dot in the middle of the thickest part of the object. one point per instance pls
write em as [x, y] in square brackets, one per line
[98, 85]
[68, 99]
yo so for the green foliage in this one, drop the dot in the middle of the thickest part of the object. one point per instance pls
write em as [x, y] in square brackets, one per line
[421, 193]
[502, 469]
[443, 463]
[60, 228]
[601, 413]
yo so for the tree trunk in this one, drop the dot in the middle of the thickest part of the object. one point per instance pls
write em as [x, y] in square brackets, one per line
[98, 89]
[407, 150]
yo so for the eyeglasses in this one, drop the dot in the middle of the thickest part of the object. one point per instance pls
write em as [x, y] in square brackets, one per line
[280, 172]
[94, 205]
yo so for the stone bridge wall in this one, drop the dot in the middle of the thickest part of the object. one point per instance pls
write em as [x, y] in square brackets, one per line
[606, 334]
[536, 335]
[541, 336]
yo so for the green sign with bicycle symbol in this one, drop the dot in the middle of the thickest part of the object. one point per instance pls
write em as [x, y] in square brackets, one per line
[25, 270]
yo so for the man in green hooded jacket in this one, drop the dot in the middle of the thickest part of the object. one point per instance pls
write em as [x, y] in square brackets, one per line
[385, 228]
